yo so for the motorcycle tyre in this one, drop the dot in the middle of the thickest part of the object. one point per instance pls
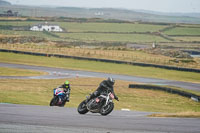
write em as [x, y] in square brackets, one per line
[63, 104]
[108, 111]
[54, 101]
[82, 110]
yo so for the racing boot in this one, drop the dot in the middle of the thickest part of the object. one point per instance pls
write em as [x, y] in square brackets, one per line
[67, 99]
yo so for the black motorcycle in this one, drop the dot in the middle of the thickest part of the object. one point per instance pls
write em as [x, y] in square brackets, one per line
[102, 104]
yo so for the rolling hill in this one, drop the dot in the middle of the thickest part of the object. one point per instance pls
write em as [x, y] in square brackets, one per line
[4, 2]
[104, 13]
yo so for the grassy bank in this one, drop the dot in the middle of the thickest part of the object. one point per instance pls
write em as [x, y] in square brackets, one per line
[40, 92]
[100, 67]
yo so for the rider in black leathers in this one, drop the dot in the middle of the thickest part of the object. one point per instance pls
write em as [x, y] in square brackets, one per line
[103, 86]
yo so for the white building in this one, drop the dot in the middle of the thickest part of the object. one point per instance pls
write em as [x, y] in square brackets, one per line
[46, 27]
[98, 13]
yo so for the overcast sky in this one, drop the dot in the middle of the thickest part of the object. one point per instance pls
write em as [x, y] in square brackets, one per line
[154, 5]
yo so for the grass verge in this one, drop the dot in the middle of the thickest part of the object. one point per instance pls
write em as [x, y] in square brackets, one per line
[181, 114]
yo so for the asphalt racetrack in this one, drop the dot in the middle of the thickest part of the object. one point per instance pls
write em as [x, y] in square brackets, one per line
[44, 119]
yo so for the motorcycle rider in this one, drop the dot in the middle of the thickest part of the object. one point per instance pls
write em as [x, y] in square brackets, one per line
[104, 86]
[66, 89]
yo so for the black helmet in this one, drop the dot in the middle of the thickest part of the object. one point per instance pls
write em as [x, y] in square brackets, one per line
[111, 81]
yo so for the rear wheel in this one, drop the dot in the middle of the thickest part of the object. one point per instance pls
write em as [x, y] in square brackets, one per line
[82, 108]
[54, 101]
[105, 110]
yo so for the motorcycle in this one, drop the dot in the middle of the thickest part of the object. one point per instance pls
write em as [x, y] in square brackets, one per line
[59, 97]
[102, 104]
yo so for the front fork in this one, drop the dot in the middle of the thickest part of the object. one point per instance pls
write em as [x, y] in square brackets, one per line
[108, 100]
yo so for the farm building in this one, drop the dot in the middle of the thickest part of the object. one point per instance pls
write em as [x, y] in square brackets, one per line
[46, 27]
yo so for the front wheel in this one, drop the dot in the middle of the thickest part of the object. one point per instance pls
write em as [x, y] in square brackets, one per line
[105, 110]
[54, 101]
[82, 108]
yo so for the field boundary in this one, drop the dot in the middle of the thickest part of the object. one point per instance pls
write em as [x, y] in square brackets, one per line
[104, 60]
[167, 89]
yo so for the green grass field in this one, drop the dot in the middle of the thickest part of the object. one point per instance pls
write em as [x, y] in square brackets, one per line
[114, 53]
[183, 31]
[187, 39]
[99, 37]
[78, 31]
[19, 23]
[40, 92]
[19, 72]
[28, 34]
[100, 67]
[110, 27]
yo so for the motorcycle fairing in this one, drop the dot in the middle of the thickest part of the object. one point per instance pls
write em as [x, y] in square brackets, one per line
[59, 92]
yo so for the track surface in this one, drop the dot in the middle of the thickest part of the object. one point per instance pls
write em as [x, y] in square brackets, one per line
[40, 119]
[55, 73]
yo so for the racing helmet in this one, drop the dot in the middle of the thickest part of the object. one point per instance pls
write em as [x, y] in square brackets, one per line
[66, 83]
[111, 81]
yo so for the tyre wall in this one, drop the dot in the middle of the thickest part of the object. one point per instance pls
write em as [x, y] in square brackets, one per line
[167, 89]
